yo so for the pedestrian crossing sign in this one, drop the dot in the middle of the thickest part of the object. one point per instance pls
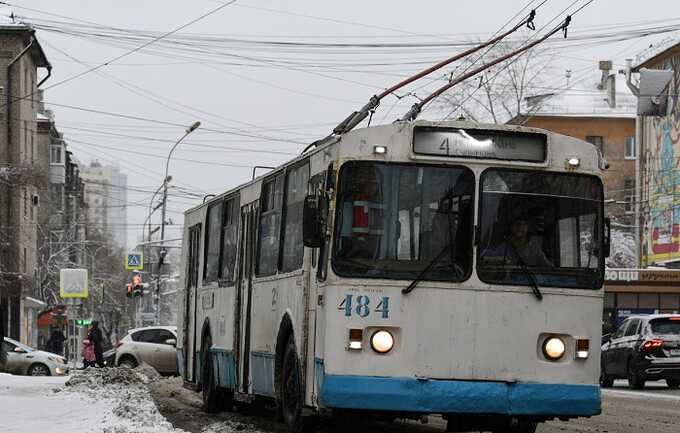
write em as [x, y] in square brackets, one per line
[73, 283]
[134, 262]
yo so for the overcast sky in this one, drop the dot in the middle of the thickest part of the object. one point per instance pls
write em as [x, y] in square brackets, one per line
[259, 95]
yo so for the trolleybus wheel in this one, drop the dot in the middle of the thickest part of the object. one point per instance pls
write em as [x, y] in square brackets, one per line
[673, 383]
[214, 398]
[290, 392]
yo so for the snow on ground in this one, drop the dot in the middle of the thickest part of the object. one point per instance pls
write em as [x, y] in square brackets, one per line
[103, 400]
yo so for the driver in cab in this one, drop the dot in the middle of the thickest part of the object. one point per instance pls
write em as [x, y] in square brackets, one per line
[518, 248]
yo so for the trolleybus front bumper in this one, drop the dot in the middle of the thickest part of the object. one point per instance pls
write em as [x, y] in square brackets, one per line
[457, 396]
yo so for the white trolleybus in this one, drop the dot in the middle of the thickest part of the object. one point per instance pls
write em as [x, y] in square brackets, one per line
[402, 270]
[408, 269]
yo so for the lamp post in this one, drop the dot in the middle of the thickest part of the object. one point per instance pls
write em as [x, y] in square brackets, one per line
[189, 130]
[161, 253]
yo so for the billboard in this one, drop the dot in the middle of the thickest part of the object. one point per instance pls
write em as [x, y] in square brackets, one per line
[73, 283]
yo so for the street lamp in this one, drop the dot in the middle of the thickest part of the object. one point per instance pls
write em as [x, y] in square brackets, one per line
[161, 254]
[189, 130]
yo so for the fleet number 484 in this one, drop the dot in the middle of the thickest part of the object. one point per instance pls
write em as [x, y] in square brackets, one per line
[361, 306]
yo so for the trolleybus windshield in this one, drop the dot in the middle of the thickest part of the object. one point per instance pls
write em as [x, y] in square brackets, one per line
[545, 224]
[393, 220]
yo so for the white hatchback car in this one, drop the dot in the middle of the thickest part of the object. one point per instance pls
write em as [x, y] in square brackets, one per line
[154, 345]
[22, 359]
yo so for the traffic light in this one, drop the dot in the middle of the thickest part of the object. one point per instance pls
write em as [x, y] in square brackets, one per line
[135, 288]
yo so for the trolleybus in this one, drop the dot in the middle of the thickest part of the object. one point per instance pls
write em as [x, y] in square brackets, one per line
[402, 270]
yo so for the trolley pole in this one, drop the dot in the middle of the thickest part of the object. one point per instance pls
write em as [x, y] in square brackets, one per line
[163, 252]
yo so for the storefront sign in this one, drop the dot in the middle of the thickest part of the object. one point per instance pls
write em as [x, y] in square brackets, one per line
[642, 275]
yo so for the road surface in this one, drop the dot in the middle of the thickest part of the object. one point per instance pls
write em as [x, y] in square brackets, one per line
[654, 410]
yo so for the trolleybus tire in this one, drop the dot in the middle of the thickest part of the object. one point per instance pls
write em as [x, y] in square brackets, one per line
[634, 379]
[673, 383]
[290, 391]
[605, 380]
[214, 398]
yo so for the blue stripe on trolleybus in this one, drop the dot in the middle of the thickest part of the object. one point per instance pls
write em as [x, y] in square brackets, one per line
[457, 396]
[224, 367]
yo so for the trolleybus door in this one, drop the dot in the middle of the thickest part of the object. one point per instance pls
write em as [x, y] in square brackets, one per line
[242, 318]
[190, 306]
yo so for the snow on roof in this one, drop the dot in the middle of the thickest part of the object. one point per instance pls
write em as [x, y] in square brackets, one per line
[583, 100]
[41, 116]
[655, 49]
[8, 19]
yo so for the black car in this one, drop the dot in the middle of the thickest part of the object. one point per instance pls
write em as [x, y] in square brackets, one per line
[643, 348]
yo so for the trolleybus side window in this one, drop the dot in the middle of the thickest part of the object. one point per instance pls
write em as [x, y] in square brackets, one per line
[292, 248]
[230, 221]
[396, 220]
[545, 224]
[211, 258]
[270, 227]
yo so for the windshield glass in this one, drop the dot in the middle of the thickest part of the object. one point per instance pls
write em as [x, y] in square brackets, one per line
[394, 219]
[548, 223]
[20, 345]
[666, 326]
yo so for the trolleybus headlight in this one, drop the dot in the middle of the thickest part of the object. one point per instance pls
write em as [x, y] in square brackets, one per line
[382, 341]
[553, 348]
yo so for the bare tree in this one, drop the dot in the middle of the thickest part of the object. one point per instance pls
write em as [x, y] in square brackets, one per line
[498, 94]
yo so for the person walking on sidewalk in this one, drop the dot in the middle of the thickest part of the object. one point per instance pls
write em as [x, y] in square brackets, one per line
[95, 337]
[89, 358]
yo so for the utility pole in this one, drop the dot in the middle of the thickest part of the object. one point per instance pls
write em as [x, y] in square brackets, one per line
[163, 252]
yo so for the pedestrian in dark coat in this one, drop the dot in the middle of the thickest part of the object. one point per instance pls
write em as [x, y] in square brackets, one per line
[56, 341]
[96, 338]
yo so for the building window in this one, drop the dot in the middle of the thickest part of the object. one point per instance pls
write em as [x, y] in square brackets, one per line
[597, 141]
[630, 148]
[629, 195]
[55, 155]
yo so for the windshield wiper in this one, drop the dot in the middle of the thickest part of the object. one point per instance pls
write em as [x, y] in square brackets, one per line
[525, 268]
[425, 271]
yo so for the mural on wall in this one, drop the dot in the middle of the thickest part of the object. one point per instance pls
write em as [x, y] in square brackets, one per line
[660, 194]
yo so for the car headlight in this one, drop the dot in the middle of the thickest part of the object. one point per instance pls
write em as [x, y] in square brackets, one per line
[553, 348]
[382, 341]
[60, 360]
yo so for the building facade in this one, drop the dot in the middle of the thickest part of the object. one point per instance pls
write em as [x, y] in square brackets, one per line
[602, 111]
[659, 170]
[106, 197]
[639, 291]
[21, 178]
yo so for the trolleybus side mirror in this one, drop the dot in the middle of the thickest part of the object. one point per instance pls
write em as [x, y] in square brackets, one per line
[312, 233]
[606, 242]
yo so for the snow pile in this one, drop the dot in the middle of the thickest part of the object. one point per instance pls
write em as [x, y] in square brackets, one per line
[132, 409]
[623, 249]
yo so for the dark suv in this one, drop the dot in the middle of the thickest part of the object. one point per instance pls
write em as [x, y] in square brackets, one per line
[643, 348]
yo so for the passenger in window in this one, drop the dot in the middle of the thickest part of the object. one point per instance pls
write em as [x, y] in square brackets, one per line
[362, 215]
[517, 247]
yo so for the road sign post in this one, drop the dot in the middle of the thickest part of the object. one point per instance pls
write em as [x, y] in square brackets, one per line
[134, 261]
